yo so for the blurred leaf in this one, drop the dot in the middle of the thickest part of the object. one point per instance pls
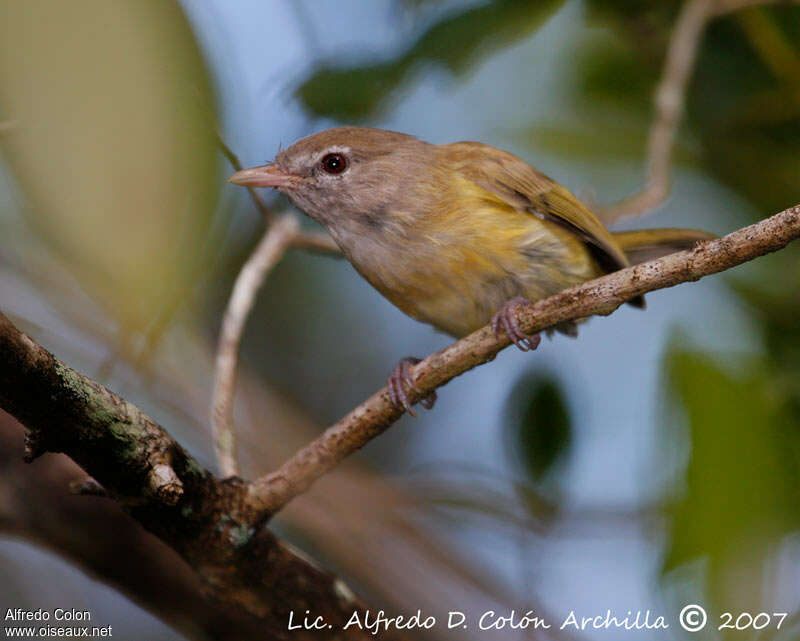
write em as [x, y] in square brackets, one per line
[615, 139]
[743, 102]
[775, 301]
[750, 143]
[351, 94]
[751, 162]
[647, 24]
[539, 424]
[613, 73]
[455, 43]
[741, 495]
[113, 149]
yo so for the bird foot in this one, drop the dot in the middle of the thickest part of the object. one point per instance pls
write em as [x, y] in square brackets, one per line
[506, 320]
[400, 381]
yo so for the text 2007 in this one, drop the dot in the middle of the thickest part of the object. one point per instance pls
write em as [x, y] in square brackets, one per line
[747, 621]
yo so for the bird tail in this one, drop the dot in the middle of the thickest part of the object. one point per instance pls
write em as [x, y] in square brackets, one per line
[642, 245]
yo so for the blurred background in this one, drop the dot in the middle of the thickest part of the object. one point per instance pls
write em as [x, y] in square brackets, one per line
[652, 462]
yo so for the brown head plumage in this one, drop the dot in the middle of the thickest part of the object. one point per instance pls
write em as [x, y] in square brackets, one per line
[346, 173]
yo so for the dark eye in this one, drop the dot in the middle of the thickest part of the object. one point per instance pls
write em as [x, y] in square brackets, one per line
[334, 163]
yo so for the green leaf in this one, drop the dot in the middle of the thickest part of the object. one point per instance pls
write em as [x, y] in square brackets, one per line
[114, 146]
[741, 493]
[613, 139]
[455, 43]
[539, 424]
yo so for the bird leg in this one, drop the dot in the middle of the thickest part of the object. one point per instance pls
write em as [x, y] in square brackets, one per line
[400, 380]
[506, 320]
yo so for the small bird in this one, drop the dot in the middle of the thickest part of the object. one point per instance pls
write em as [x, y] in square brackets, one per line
[455, 235]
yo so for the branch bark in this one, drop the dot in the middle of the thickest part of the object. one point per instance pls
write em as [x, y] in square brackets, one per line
[99, 537]
[596, 297]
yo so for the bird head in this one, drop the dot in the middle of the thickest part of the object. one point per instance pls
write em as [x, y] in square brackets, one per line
[346, 174]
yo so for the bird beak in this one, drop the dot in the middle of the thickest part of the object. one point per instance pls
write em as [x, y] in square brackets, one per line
[264, 176]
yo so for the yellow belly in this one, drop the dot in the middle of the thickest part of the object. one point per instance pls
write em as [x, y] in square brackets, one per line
[456, 272]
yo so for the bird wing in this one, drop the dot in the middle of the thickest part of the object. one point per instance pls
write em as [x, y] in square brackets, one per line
[524, 188]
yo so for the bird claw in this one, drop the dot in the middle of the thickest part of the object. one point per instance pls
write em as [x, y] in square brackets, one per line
[506, 320]
[400, 381]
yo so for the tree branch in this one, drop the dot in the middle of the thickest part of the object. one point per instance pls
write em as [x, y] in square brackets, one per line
[207, 521]
[596, 297]
[282, 234]
[100, 538]
[669, 101]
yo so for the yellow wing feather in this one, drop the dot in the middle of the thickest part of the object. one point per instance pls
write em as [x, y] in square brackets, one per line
[527, 189]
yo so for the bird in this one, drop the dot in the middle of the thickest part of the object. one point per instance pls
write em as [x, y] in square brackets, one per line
[455, 235]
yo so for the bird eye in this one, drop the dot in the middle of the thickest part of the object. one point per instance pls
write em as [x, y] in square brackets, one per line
[334, 163]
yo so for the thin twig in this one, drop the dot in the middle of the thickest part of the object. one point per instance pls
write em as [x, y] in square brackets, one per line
[600, 296]
[669, 102]
[281, 235]
[316, 242]
[269, 251]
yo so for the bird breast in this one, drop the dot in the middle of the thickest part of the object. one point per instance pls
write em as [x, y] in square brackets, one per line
[456, 265]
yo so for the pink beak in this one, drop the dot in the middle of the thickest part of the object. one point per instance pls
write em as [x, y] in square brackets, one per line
[264, 176]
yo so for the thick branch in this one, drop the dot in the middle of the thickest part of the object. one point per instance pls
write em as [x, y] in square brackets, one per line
[597, 297]
[207, 521]
[99, 537]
